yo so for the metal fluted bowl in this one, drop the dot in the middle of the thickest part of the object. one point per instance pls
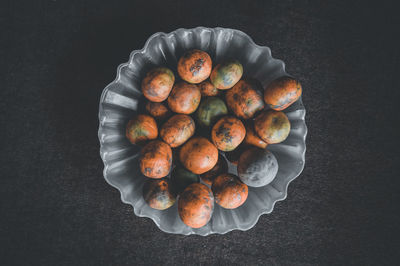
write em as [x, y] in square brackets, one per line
[121, 99]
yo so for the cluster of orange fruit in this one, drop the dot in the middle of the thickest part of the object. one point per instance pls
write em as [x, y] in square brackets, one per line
[219, 100]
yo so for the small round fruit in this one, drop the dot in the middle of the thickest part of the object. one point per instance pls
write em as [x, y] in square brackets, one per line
[244, 100]
[184, 98]
[198, 155]
[196, 205]
[141, 128]
[219, 168]
[282, 92]
[208, 89]
[210, 109]
[228, 133]
[157, 194]
[229, 192]
[157, 84]
[224, 76]
[257, 167]
[272, 126]
[177, 130]
[194, 66]
[252, 138]
[156, 159]
[158, 110]
[182, 178]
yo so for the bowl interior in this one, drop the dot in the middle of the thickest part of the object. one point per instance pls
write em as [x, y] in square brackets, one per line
[122, 99]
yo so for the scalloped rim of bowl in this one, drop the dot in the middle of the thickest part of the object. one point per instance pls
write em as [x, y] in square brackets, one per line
[142, 51]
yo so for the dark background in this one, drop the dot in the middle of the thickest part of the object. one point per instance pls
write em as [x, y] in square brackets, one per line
[57, 56]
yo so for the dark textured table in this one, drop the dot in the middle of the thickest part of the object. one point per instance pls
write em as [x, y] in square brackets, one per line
[56, 209]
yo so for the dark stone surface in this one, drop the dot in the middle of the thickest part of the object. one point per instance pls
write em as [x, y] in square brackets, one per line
[56, 209]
